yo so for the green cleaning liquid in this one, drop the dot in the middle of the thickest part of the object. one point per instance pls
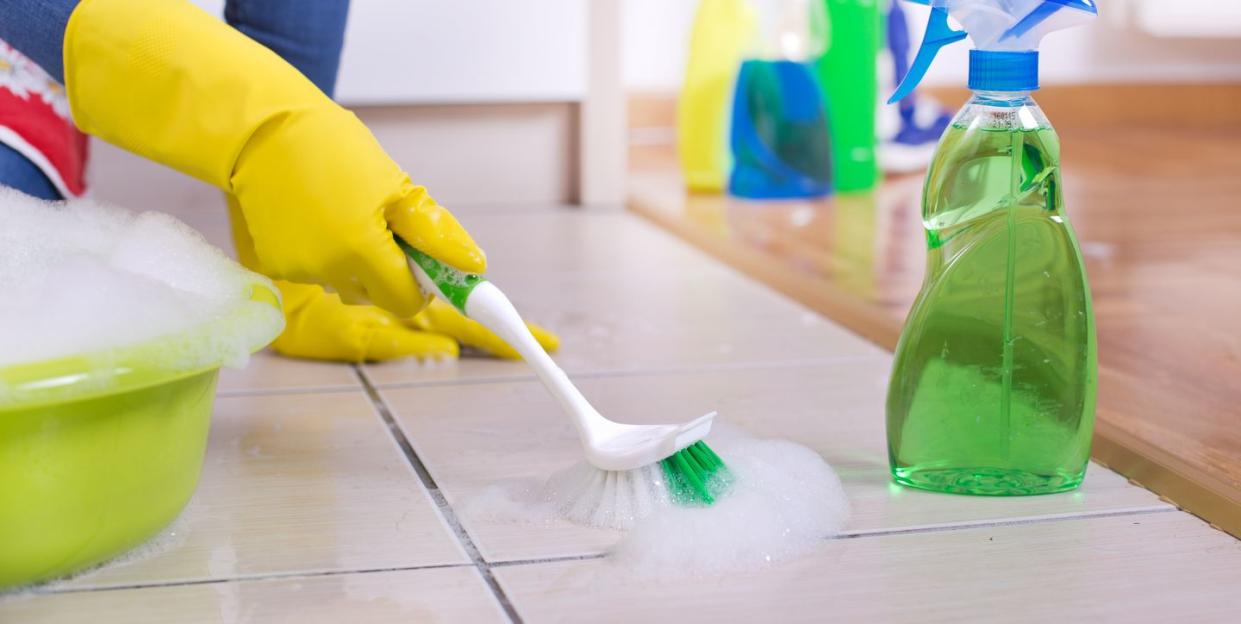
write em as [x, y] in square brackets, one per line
[993, 388]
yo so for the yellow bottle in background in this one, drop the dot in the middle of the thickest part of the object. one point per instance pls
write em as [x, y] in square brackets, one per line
[722, 32]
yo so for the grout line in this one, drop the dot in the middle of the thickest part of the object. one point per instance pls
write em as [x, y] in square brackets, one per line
[642, 372]
[961, 526]
[238, 579]
[939, 528]
[900, 531]
[477, 562]
[288, 391]
[563, 558]
[485, 568]
[402, 440]
[730, 366]
[445, 508]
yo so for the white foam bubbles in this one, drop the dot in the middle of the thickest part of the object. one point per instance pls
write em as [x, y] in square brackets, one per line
[785, 501]
[80, 277]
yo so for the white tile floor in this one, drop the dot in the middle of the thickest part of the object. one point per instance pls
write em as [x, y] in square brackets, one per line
[333, 493]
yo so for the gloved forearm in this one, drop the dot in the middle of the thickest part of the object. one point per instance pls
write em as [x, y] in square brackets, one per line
[37, 29]
[319, 326]
[309, 35]
[320, 197]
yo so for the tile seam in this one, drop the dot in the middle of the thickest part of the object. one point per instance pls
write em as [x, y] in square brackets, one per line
[238, 579]
[464, 540]
[333, 389]
[640, 372]
[1007, 522]
[1046, 519]
[489, 566]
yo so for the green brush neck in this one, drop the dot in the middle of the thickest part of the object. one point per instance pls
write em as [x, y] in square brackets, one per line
[455, 286]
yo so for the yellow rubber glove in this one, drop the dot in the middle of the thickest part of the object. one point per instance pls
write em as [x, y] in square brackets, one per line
[321, 198]
[319, 326]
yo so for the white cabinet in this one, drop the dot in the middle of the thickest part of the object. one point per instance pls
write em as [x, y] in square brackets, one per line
[491, 100]
[445, 51]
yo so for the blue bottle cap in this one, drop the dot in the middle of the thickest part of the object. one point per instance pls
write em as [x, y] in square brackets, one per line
[1003, 71]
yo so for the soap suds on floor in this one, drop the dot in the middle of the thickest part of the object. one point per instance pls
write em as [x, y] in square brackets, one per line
[784, 502]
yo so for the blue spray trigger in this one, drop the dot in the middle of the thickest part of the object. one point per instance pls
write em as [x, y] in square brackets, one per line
[938, 34]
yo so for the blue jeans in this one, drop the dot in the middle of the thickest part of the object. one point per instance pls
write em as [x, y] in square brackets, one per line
[16, 171]
[309, 35]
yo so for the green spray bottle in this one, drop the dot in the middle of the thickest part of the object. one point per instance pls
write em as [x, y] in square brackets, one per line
[847, 73]
[993, 387]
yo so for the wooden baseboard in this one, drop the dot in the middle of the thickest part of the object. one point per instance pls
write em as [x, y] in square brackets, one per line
[1168, 476]
[1164, 105]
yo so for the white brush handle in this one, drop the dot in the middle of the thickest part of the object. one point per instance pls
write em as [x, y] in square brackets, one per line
[488, 305]
[608, 445]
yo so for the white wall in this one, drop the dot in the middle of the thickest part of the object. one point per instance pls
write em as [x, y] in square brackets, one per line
[1133, 41]
[654, 36]
[491, 101]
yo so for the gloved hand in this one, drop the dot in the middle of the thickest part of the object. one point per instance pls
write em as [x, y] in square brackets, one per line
[319, 326]
[320, 197]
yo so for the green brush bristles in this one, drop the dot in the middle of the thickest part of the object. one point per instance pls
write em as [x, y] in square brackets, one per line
[696, 475]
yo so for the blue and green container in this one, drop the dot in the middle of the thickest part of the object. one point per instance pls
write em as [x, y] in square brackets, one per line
[779, 133]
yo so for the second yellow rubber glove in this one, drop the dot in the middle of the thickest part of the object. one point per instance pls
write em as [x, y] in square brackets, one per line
[319, 326]
[321, 198]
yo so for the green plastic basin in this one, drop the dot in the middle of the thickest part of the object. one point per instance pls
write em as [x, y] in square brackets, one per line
[100, 452]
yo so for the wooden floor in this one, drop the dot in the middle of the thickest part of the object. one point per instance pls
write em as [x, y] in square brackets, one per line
[1158, 211]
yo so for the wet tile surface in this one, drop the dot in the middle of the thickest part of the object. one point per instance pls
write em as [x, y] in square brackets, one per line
[268, 372]
[1151, 567]
[297, 483]
[512, 435]
[315, 507]
[445, 594]
[625, 297]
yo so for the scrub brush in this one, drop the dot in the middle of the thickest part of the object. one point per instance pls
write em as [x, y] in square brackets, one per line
[624, 455]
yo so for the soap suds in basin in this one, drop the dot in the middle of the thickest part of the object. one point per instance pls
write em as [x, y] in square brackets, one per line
[784, 502]
[80, 278]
